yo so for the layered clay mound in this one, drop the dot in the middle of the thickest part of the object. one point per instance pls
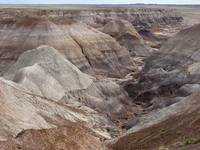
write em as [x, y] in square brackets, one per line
[174, 127]
[31, 32]
[22, 110]
[104, 54]
[69, 137]
[117, 28]
[127, 36]
[90, 50]
[47, 73]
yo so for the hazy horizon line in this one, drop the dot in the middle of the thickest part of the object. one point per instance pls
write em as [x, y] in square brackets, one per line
[97, 4]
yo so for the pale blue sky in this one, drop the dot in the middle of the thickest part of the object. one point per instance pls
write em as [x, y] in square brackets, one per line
[98, 1]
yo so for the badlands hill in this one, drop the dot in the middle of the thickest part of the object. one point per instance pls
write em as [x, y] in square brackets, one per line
[84, 46]
[47, 73]
[169, 90]
[98, 79]
[79, 36]
[127, 36]
[55, 91]
[176, 65]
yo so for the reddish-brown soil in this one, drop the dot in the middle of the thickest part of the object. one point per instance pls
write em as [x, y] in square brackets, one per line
[70, 137]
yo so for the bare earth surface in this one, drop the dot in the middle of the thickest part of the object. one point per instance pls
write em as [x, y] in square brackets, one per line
[99, 77]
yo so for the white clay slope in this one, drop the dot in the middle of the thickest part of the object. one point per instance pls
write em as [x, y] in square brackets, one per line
[47, 73]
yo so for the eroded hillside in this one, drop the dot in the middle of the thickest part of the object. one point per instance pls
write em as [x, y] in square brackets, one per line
[97, 78]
